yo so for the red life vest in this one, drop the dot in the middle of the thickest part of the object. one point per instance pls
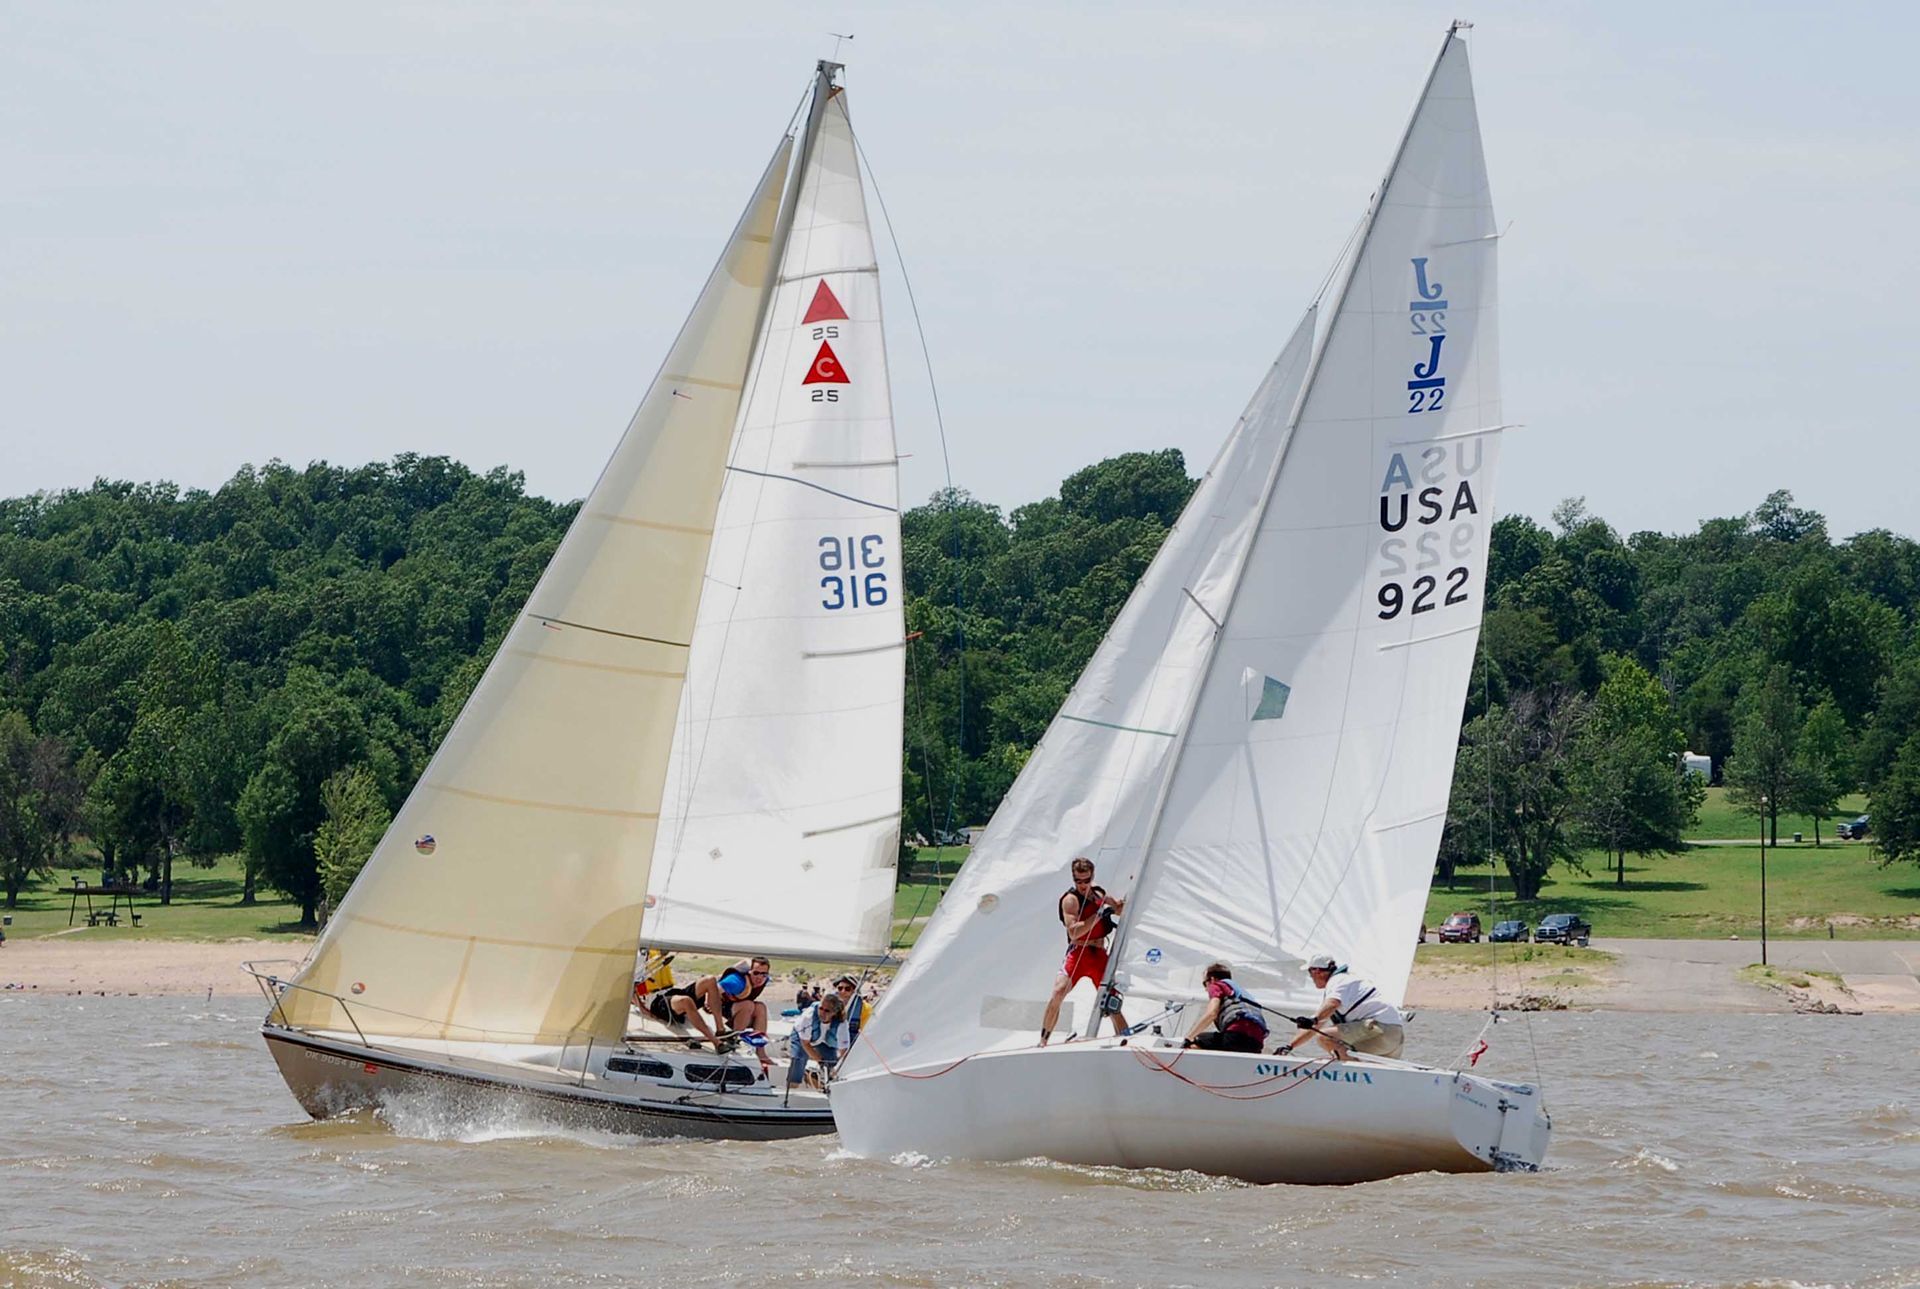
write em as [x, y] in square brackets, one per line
[1094, 894]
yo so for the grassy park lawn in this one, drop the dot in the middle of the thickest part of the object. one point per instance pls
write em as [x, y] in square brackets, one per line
[206, 906]
[1721, 819]
[1711, 892]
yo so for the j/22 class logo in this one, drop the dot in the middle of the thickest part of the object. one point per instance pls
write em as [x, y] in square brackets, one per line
[1427, 317]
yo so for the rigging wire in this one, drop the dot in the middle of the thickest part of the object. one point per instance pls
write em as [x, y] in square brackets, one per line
[959, 584]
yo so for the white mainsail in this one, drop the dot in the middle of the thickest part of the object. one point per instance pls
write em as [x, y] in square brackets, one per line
[1307, 803]
[1267, 769]
[504, 904]
[781, 819]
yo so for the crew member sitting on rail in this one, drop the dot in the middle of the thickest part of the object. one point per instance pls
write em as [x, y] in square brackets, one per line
[733, 996]
[730, 997]
[1232, 1021]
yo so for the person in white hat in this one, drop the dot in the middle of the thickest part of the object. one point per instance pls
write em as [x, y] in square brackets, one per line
[1353, 1017]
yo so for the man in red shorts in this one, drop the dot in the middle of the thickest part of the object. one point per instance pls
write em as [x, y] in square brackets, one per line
[1088, 913]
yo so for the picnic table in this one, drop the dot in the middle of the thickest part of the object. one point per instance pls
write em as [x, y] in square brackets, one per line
[110, 915]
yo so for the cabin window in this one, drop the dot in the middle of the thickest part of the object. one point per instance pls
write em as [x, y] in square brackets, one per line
[639, 1066]
[725, 1075]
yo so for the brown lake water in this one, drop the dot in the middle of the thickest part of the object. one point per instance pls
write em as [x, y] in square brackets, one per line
[148, 1141]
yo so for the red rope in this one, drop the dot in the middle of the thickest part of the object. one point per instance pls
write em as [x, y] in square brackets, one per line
[1304, 1074]
[881, 1057]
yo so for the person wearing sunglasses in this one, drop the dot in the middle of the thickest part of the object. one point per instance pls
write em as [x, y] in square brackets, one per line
[1089, 915]
[735, 998]
[819, 1034]
[852, 1006]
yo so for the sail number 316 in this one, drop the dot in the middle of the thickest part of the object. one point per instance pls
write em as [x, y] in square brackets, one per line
[855, 572]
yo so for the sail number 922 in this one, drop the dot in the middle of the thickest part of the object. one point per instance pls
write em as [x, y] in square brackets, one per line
[855, 569]
[1425, 591]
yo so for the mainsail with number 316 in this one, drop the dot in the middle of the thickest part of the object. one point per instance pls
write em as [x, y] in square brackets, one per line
[690, 735]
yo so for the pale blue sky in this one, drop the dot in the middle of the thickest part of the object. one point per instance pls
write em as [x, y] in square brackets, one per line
[236, 232]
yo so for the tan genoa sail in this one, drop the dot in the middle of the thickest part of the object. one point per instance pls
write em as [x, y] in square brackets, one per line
[504, 903]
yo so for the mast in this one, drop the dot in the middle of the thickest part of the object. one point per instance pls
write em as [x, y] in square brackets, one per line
[1266, 498]
[824, 72]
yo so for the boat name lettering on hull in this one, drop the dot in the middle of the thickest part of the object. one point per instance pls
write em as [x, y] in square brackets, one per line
[1330, 1076]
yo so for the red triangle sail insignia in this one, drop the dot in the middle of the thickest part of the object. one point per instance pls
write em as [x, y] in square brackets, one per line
[826, 369]
[825, 306]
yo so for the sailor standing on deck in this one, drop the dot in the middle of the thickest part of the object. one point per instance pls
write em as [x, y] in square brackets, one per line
[1089, 914]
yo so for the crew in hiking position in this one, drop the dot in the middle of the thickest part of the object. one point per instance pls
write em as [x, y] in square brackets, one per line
[1353, 1017]
[1089, 914]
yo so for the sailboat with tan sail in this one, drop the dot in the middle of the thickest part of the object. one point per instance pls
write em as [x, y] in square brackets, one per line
[688, 738]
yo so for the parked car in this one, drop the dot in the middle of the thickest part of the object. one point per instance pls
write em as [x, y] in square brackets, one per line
[1461, 928]
[1563, 928]
[1853, 829]
[1508, 933]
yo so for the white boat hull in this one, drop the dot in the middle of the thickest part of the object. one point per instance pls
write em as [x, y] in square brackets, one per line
[1260, 1118]
[331, 1074]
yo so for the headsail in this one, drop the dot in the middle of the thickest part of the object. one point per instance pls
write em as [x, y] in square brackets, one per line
[987, 959]
[504, 903]
[1264, 741]
[781, 820]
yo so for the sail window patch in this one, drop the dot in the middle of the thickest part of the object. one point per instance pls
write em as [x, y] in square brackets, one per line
[1266, 697]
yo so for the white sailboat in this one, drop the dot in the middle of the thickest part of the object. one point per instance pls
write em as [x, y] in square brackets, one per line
[689, 738]
[1259, 754]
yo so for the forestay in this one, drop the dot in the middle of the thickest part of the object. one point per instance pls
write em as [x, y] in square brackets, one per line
[504, 903]
[981, 971]
[780, 824]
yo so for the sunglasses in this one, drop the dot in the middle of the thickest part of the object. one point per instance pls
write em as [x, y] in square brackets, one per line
[759, 974]
[845, 989]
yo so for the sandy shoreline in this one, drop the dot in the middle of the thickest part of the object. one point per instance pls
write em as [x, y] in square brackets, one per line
[136, 967]
[1642, 975]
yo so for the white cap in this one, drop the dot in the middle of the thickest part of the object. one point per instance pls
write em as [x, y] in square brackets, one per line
[1322, 962]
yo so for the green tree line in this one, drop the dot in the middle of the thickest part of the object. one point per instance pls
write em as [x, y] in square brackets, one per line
[266, 667]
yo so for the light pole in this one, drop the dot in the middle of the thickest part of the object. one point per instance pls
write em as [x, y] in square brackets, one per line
[1763, 881]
